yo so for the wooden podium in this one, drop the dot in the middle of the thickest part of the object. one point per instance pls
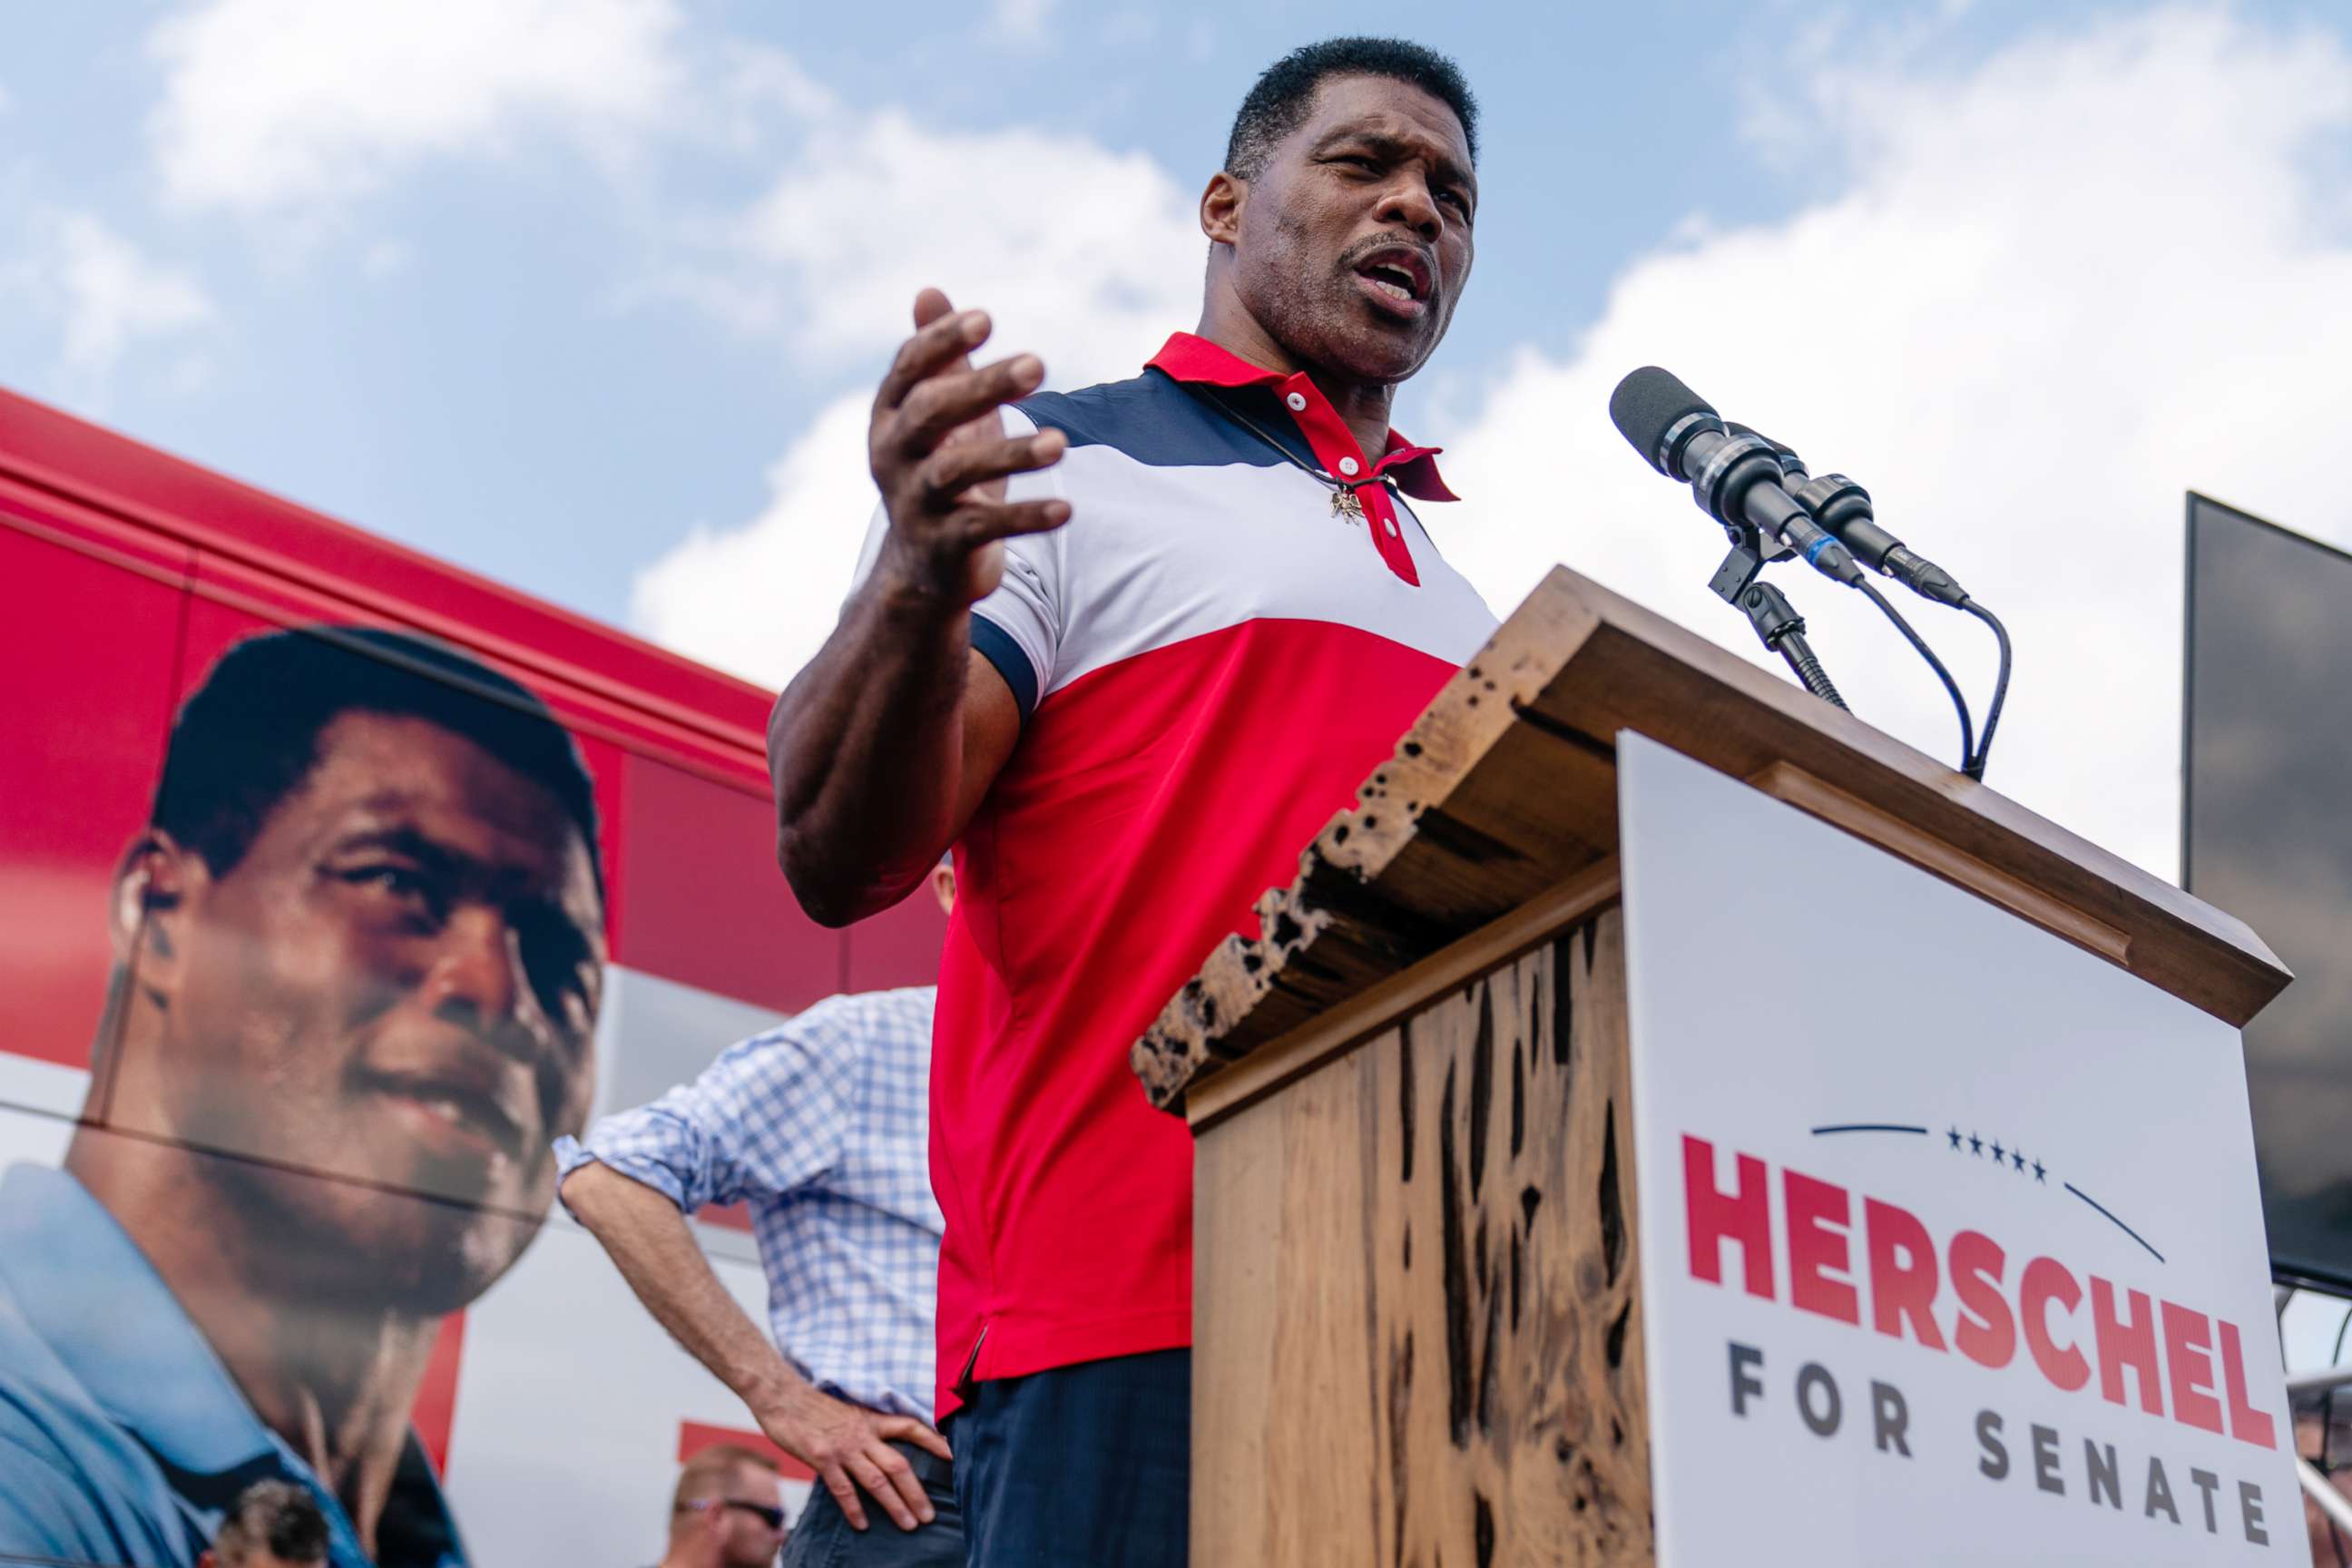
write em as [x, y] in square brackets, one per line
[1417, 1289]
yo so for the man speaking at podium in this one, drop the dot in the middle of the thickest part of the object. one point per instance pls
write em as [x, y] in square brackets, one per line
[1128, 648]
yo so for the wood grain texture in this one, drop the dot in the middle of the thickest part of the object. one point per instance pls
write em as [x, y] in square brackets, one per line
[1417, 1331]
[1507, 785]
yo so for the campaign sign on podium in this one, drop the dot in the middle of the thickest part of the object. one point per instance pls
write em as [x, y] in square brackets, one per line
[1953, 1247]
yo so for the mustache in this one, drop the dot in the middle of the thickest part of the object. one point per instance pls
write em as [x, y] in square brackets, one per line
[1373, 245]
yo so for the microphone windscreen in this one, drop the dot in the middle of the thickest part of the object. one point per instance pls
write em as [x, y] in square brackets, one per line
[1646, 406]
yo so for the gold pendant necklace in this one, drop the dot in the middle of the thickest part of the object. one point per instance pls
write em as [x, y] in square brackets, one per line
[1345, 505]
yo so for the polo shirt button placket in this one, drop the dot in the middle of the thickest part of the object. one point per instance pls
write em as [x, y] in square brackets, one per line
[1378, 507]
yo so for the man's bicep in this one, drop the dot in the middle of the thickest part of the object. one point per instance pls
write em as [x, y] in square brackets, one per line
[991, 727]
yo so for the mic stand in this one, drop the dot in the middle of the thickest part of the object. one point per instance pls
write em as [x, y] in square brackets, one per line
[1775, 619]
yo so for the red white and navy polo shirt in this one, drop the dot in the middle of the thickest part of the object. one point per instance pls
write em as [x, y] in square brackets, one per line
[1209, 657]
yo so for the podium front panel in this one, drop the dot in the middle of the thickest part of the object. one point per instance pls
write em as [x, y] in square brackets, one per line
[1952, 1246]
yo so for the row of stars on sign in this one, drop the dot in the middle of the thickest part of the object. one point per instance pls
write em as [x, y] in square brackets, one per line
[1977, 1146]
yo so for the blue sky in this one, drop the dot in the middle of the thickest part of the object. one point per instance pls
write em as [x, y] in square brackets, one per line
[465, 356]
[587, 294]
[466, 352]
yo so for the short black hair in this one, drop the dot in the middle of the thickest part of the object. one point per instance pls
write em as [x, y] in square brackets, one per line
[1278, 103]
[278, 1515]
[249, 734]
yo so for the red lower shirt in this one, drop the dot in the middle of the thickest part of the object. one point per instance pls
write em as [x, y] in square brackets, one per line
[1210, 658]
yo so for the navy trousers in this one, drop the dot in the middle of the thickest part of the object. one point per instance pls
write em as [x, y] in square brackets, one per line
[1081, 1466]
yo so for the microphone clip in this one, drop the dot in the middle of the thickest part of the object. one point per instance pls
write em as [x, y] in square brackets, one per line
[1739, 569]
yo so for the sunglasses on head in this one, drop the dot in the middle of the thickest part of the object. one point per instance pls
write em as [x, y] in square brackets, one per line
[774, 1518]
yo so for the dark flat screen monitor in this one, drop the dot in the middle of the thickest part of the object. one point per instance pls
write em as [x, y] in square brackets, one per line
[2266, 809]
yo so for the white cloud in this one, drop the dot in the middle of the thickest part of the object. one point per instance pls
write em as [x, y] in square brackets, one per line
[868, 213]
[111, 295]
[273, 104]
[2055, 293]
[832, 258]
[753, 86]
[759, 600]
[1021, 21]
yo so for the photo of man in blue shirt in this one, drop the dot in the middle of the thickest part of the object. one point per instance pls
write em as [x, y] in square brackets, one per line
[359, 952]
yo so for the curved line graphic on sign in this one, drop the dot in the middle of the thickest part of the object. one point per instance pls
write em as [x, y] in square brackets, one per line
[1976, 1146]
[2119, 1225]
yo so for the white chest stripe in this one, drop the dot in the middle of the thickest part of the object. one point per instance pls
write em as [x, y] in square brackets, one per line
[1156, 555]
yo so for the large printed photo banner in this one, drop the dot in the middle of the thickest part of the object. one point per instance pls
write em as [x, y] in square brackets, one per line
[1952, 1248]
[358, 953]
[274, 1181]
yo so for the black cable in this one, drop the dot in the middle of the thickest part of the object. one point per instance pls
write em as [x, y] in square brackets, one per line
[1960, 703]
[1976, 768]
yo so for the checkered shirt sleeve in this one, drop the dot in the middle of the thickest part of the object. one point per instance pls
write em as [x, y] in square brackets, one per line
[820, 1127]
[770, 1116]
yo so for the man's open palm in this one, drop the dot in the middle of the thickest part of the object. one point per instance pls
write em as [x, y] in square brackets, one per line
[939, 454]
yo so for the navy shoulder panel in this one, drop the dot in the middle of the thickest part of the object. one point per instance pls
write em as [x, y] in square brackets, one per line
[1154, 419]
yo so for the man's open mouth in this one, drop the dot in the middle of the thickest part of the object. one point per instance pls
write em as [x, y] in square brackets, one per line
[1398, 273]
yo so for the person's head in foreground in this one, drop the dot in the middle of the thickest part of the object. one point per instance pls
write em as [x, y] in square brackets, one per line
[272, 1524]
[360, 950]
[1340, 225]
[727, 1510]
[362, 946]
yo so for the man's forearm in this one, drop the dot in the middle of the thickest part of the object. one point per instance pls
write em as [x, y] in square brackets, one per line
[876, 754]
[865, 749]
[655, 1251]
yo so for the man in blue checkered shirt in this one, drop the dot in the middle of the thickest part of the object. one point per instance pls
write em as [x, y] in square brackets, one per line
[820, 1127]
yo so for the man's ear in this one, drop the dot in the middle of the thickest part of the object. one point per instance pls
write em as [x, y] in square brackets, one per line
[1221, 208]
[147, 917]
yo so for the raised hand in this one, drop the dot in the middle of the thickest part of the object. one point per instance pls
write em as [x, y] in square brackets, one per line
[938, 451]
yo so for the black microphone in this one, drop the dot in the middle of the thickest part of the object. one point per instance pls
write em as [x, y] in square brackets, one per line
[1843, 508]
[1755, 486]
[1792, 473]
[1738, 479]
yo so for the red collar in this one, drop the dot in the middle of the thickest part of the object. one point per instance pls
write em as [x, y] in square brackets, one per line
[1185, 357]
